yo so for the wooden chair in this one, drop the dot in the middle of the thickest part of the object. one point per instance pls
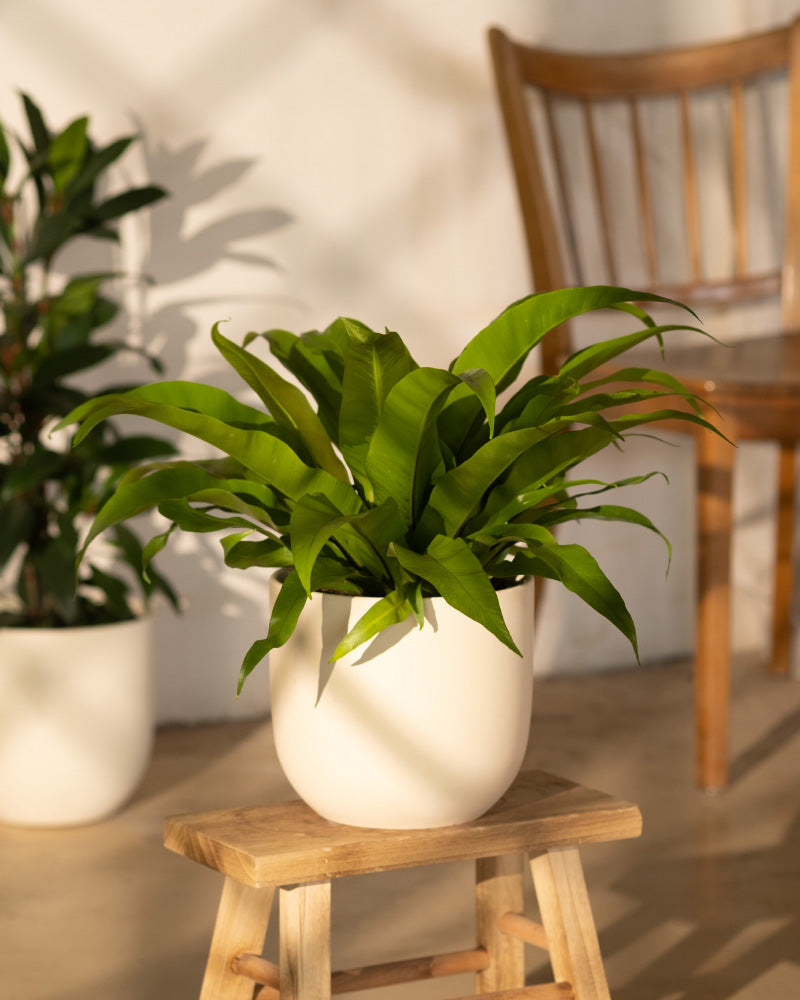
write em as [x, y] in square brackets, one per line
[287, 848]
[579, 130]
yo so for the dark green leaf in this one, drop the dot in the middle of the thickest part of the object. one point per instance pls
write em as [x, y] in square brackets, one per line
[16, 518]
[130, 450]
[590, 358]
[536, 504]
[95, 164]
[455, 573]
[75, 359]
[648, 375]
[140, 562]
[189, 518]
[206, 400]
[286, 611]
[605, 512]
[67, 152]
[285, 402]
[392, 609]
[5, 158]
[55, 565]
[39, 131]
[374, 363]
[136, 495]
[115, 593]
[36, 469]
[543, 463]
[537, 402]
[241, 554]
[51, 234]
[404, 452]
[156, 545]
[265, 455]
[313, 368]
[314, 519]
[508, 340]
[457, 494]
[129, 201]
[482, 385]
[577, 570]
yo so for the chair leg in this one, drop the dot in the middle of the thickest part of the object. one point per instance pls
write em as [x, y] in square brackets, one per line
[568, 923]
[713, 640]
[305, 941]
[498, 885]
[241, 926]
[784, 563]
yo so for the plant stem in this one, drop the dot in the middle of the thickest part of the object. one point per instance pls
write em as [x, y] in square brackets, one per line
[33, 592]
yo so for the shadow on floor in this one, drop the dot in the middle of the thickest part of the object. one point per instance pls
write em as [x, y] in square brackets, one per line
[765, 747]
[722, 921]
[182, 752]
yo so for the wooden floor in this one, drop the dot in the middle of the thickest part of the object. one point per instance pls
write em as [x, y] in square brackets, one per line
[706, 906]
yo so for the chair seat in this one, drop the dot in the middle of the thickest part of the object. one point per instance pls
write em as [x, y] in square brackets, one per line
[753, 384]
[765, 362]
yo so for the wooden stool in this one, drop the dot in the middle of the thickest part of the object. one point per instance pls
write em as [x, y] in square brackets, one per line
[290, 848]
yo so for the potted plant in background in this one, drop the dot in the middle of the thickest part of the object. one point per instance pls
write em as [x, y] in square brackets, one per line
[406, 496]
[76, 723]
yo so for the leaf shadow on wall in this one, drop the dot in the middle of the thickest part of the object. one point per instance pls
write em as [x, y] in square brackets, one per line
[179, 254]
[203, 660]
[167, 258]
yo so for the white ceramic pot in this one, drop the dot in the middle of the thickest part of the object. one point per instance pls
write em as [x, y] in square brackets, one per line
[426, 728]
[76, 721]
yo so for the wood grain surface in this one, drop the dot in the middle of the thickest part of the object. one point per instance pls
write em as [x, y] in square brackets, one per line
[288, 842]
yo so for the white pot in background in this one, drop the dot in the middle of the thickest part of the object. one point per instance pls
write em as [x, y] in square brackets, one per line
[76, 721]
[426, 728]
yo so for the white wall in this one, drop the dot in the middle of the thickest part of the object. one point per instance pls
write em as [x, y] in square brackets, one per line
[344, 157]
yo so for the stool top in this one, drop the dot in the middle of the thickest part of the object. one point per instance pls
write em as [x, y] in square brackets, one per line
[288, 843]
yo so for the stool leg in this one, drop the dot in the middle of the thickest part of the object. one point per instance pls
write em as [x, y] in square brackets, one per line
[498, 887]
[305, 945]
[568, 923]
[241, 926]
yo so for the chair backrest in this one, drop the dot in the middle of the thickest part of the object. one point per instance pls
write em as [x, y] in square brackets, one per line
[675, 171]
